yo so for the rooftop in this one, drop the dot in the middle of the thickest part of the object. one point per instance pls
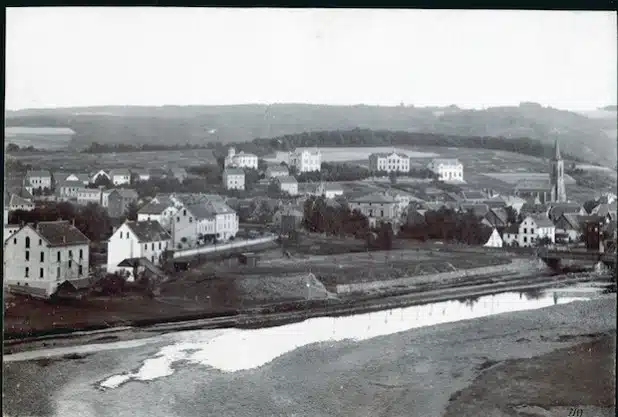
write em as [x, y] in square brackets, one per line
[387, 154]
[234, 171]
[148, 231]
[61, 233]
[374, 198]
[541, 221]
[38, 174]
[287, 179]
[446, 161]
[119, 171]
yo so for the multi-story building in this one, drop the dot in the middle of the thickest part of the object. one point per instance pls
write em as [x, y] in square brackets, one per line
[534, 228]
[197, 221]
[234, 179]
[328, 190]
[240, 160]
[306, 160]
[89, 195]
[20, 203]
[69, 189]
[120, 176]
[135, 239]
[447, 169]
[39, 179]
[378, 207]
[288, 185]
[119, 200]
[42, 257]
[389, 162]
[161, 208]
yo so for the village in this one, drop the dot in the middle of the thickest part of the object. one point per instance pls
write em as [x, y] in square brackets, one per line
[164, 244]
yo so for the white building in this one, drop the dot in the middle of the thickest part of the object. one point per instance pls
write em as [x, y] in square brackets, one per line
[510, 235]
[105, 197]
[533, 228]
[389, 162]
[19, 203]
[288, 185]
[70, 188]
[145, 239]
[195, 222]
[120, 176]
[161, 208]
[277, 171]
[96, 175]
[240, 160]
[329, 190]
[234, 179]
[306, 160]
[494, 240]
[42, 257]
[37, 179]
[89, 195]
[447, 169]
[143, 175]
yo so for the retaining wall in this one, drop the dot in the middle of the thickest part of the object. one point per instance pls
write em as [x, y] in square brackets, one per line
[225, 246]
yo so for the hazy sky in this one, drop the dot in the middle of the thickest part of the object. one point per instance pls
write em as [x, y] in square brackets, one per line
[57, 57]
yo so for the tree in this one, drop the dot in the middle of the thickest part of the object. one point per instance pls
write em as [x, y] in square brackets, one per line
[131, 211]
[589, 205]
[11, 147]
[511, 215]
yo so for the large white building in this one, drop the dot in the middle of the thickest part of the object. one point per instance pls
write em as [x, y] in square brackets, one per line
[240, 160]
[234, 179]
[306, 160]
[37, 179]
[447, 169]
[196, 222]
[533, 228]
[288, 185]
[120, 176]
[42, 257]
[141, 239]
[389, 162]
[89, 195]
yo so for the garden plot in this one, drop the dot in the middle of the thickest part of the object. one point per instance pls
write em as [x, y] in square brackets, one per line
[514, 177]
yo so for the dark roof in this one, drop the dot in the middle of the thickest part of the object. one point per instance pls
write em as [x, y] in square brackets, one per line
[557, 209]
[533, 185]
[387, 154]
[148, 231]
[154, 207]
[473, 195]
[287, 179]
[74, 284]
[477, 209]
[233, 171]
[38, 173]
[501, 214]
[573, 219]
[374, 198]
[534, 208]
[61, 233]
[20, 201]
[68, 183]
[512, 229]
[126, 193]
[541, 221]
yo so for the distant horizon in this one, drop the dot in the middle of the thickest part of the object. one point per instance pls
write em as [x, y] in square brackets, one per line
[407, 105]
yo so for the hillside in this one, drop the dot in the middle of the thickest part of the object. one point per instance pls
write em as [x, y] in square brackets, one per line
[580, 135]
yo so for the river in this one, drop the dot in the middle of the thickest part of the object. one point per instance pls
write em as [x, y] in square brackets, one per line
[244, 372]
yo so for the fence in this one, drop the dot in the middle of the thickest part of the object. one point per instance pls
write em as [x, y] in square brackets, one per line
[225, 246]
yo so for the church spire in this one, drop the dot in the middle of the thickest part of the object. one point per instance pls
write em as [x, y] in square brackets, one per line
[557, 155]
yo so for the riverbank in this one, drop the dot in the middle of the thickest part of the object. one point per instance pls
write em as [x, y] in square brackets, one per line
[523, 357]
[282, 313]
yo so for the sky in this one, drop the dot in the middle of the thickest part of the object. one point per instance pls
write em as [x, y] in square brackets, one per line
[65, 57]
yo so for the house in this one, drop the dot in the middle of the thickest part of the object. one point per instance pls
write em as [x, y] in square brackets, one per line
[135, 239]
[534, 209]
[96, 175]
[43, 256]
[557, 209]
[592, 228]
[288, 185]
[159, 173]
[479, 210]
[288, 218]
[9, 230]
[37, 179]
[605, 210]
[510, 235]
[119, 200]
[473, 196]
[234, 179]
[329, 190]
[89, 195]
[179, 173]
[142, 175]
[389, 162]
[240, 160]
[120, 176]
[447, 169]
[84, 179]
[161, 208]
[105, 197]
[497, 217]
[415, 216]
[491, 237]
[19, 203]
[569, 224]
[534, 228]
[306, 160]
[277, 171]
[69, 189]
[540, 189]
[378, 207]
[210, 217]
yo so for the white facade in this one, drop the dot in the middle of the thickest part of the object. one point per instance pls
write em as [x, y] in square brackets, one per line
[89, 195]
[288, 185]
[447, 169]
[241, 159]
[306, 160]
[20, 203]
[278, 171]
[494, 241]
[188, 223]
[234, 179]
[31, 261]
[328, 190]
[119, 178]
[71, 189]
[37, 179]
[532, 229]
[125, 244]
[105, 197]
[143, 176]
[393, 162]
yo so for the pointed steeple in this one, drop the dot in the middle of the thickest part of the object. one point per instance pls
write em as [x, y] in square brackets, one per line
[557, 155]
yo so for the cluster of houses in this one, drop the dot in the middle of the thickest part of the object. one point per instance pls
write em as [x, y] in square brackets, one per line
[448, 170]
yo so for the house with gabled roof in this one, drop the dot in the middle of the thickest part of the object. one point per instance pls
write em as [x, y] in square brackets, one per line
[491, 237]
[234, 178]
[557, 209]
[135, 239]
[536, 227]
[510, 235]
[37, 179]
[275, 171]
[161, 208]
[569, 225]
[120, 176]
[288, 184]
[119, 200]
[95, 176]
[69, 189]
[378, 207]
[497, 217]
[38, 258]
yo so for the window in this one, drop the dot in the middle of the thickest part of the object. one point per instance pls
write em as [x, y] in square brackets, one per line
[152, 246]
[27, 255]
[145, 246]
[177, 219]
[381, 213]
[58, 273]
[532, 230]
[58, 256]
[27, 241]
[525, 239]
[71, 254]
[152, 259]
[80, 270]
[128, 235]
[525, 230]
[190, 219]
[27, 272]
[42, 256]
[15, 241]
[40, 242]
[81, 254]
[40, 272]
[70, 264]
[184, 212]
[159, 245]
[120, 235]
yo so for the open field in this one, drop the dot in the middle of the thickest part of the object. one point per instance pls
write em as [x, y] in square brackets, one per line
[514, 177]
[134, 160]
[348, 154]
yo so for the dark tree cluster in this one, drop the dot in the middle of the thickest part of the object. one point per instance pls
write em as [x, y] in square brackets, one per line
[92, 219]
[13, 148]
[448, 225]
[351, 172]
[340, 221]
[96, 147]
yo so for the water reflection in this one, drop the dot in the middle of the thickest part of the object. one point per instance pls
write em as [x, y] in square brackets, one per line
[233, 350]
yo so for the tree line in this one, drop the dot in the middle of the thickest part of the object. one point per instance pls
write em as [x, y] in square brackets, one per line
[319, 217]
[96, 147]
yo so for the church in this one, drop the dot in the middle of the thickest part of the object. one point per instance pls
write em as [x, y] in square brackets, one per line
[546, 191]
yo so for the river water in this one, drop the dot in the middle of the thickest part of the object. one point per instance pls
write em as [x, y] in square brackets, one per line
[118, 370]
